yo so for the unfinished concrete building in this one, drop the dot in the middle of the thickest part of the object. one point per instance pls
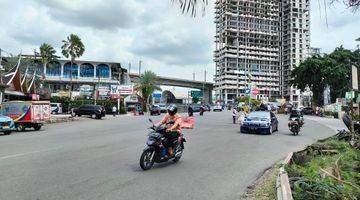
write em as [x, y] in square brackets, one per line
[250, 48]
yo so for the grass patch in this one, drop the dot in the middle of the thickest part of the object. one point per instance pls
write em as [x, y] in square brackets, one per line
[265, 187]
[328, 171]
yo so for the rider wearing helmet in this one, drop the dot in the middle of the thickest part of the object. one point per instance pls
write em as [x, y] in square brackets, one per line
[173, 122]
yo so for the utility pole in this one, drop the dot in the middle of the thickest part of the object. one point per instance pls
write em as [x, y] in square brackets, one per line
[129, 67]
[193, 76]
[140, 67]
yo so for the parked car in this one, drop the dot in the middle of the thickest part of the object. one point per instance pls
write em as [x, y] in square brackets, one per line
[155, 110]
[217, 108]
[56, 108]
[95, 111]
[7, 125]
[260, 122]
[307, 111]
[163, 108]
[207, 107]
[196, 107]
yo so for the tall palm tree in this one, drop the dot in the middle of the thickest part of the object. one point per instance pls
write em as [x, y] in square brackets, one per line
[47, 54]
[190, 6]
[74, 48]
[145, 87]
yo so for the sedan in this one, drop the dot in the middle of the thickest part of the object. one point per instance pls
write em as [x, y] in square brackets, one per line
[260, 122]
[155, 110]
[307, 111]
[7, 125]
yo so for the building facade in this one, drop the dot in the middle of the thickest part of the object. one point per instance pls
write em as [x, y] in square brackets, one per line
[255, 45]
[60, 75]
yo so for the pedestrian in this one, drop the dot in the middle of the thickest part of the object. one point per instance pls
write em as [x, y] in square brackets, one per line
[286, 110]
[234, 115]
[241, 116]
[190, 111]
[114, 109]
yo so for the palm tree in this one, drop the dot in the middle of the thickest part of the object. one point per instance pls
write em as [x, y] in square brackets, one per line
[47, 53]
[74, 48]
[145, 87]
[190, 6]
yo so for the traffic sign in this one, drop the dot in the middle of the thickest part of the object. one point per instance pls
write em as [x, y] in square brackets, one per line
[195, 93]
[255, 91]
[350, 95]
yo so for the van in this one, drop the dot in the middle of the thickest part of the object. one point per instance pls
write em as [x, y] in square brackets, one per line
[56, 108]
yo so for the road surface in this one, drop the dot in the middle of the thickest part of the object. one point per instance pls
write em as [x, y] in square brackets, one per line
[99, 159]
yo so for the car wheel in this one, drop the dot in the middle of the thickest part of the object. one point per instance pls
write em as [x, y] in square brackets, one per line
[37, 127]
[98, 117]
[20, 127]
[93, 116]
[7, 132]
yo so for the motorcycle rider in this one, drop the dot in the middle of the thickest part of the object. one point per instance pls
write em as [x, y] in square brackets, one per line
[173, 122]
[295, 114]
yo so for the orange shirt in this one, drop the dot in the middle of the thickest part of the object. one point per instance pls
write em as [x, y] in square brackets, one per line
[175, 122]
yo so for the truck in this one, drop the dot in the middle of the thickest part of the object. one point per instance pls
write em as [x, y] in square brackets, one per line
[27, 114]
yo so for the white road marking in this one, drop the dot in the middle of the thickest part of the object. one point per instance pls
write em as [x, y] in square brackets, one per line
[24, 154]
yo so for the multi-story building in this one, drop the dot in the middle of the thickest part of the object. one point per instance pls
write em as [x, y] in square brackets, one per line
[253, 43]
[295, 43]
[59, 75]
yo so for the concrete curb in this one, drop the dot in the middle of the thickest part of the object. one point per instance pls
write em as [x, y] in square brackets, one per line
[283, 189]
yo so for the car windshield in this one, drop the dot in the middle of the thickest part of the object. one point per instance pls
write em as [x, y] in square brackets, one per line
[259, 116]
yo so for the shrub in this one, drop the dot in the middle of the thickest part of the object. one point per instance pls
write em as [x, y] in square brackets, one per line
[108, 104]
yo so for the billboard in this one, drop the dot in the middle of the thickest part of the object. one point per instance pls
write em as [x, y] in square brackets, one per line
[122, 89]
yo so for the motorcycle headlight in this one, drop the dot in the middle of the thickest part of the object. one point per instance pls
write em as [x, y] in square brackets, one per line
[150, 142]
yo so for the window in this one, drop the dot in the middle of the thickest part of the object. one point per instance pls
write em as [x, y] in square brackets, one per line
[87, 70]
[70, 71]
[53, 69]
[102, 71]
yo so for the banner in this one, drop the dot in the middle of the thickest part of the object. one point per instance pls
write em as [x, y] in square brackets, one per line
[122, 89]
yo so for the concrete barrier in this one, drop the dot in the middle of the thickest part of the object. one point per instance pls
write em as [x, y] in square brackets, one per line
[283, 189]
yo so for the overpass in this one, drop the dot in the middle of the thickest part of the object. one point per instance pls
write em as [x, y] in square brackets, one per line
[167, 81]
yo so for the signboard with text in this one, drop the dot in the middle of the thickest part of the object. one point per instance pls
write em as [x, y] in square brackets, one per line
[122, 89]
[196, 94]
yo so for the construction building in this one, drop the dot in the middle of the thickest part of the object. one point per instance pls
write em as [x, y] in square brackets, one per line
[258, 43]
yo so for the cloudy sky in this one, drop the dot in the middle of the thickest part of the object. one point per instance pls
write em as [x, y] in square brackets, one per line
[154, 31]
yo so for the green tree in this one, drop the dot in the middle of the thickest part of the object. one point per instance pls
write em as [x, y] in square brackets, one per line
[47, 53]
[145, 87]
[74, 48]
[311, 73]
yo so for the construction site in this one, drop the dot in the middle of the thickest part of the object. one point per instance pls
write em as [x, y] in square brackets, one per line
[258, 42]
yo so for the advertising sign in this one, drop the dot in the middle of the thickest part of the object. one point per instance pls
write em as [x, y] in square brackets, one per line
[86, 90]
[354, 76]
[103, 91]
[122, 89]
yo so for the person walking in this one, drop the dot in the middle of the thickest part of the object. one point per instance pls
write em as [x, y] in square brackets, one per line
[190, 111]
[114, 109]
[234, 115]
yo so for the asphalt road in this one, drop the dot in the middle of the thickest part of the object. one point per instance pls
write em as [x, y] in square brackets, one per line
[99, 159]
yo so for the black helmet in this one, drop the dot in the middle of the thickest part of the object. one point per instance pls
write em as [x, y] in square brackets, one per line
[172, 109]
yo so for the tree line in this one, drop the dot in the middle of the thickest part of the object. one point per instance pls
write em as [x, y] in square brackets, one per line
[333, 70]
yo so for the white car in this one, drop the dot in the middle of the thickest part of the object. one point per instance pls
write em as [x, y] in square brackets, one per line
[56, 108]
[217, 108]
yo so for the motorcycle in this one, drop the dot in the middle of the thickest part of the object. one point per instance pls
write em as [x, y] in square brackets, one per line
[294, 126]
[155, 151]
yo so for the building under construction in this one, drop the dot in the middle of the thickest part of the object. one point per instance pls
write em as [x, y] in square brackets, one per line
[258, 43]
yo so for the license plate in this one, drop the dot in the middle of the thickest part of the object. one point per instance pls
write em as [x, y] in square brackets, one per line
[6, 126]
[253, 129]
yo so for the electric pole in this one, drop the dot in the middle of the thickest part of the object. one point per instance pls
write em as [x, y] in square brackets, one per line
[140, 67]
